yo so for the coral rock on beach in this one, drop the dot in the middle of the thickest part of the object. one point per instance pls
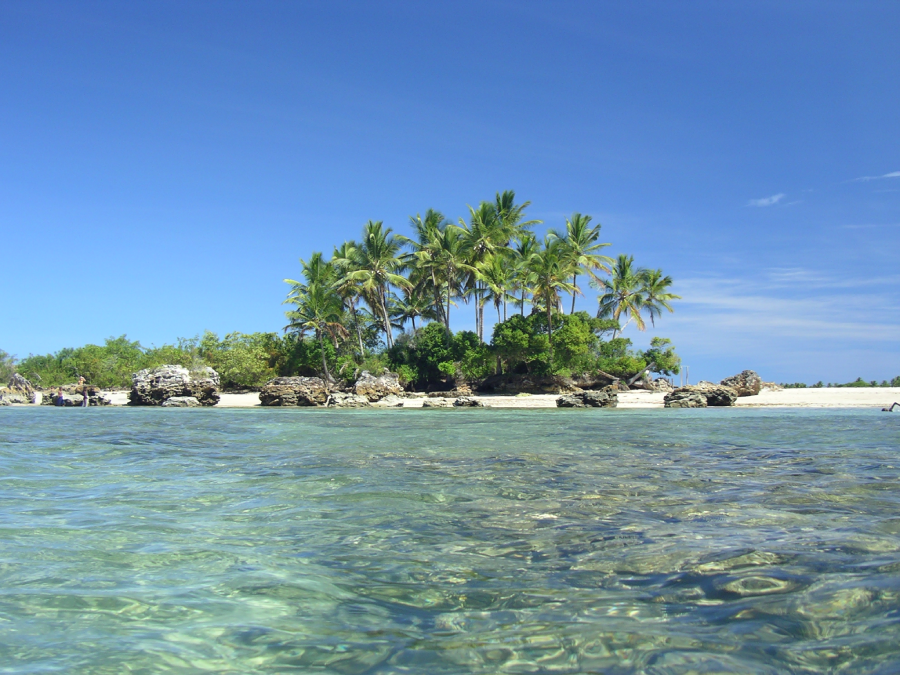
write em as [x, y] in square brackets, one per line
[437, 403]
[467, 402]
[73, 396]
[608, 397]
[712, 394]
[341, 400]
[745, 383]
[376, 388]
[181, 402]
[390, 401]
[19, 390]
[290, 391]
[684, 398]
[156, 386]
[19, 385]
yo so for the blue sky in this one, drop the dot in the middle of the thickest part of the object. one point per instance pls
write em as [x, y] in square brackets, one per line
[164, 165]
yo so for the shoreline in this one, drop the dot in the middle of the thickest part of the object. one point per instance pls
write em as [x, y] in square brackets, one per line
[836, 397]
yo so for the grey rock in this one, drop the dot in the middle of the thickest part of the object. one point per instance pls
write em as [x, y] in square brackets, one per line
[342, 400]
[19, 385]
[181, 402]
[716, 394]
[389, 401]
[437, 403]
[570, 402]
[291, 391]
[607, 397]
[376, 388]
[3, 401]
[73, 400]
[712, 394]
[684, 398]
[467, 402]
[745, 383]
[155, 386]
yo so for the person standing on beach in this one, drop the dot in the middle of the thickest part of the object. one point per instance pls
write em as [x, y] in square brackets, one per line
[84, 392]
[60, 401]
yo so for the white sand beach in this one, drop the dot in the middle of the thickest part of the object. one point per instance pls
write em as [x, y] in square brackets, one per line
[845, 397]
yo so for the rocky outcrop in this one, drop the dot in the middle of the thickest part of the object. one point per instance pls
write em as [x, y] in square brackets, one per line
[18, 391]
[9, 398]
[19, 385]
[181, 402]
[74, 399]
[745, 383]
[437, 403]
[291, 391]
[343, 400]
[467, 402]
[771, 386]
[451, 393]
[608, 397]
[157, 385]
[712, 395]
[684, 398]
[389, 401]
[376, 388]
[658, 385]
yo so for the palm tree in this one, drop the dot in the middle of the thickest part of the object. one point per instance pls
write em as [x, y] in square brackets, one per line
[318, 305]
[451, 257]
[425, 265]
[622, 293]
[656, 293]
[511, 216]
[377, 261]
[495, 274]
[522, 276]
[551, 268]
[410, 306]
[580, 240]
[348, 288]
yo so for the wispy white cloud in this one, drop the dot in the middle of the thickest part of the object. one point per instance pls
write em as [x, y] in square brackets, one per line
[767, 201]
[868, 226]
[892, 174]
[784, 305]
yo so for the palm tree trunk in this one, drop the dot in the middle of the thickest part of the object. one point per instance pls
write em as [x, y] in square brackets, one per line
[574, 279]
[387, 320]
[522, 308]
[362, 351]
[328, 377]
[414, 324]
[550, 328]
[437, 296]
[447, 314]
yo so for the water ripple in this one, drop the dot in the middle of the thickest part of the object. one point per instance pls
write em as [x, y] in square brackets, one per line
[480, 541]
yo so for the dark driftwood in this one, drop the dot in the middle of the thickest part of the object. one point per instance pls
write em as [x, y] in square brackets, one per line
[641, 373]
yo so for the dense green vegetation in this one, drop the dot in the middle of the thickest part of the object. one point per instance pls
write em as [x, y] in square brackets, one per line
[357, 304]
[858, 382]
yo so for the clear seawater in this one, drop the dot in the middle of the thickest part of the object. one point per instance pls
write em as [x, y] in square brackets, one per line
[449, 541]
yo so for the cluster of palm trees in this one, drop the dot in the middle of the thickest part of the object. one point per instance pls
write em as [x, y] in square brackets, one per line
[388, 279]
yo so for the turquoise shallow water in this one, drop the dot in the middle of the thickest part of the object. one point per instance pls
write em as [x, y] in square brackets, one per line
[449, 541]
